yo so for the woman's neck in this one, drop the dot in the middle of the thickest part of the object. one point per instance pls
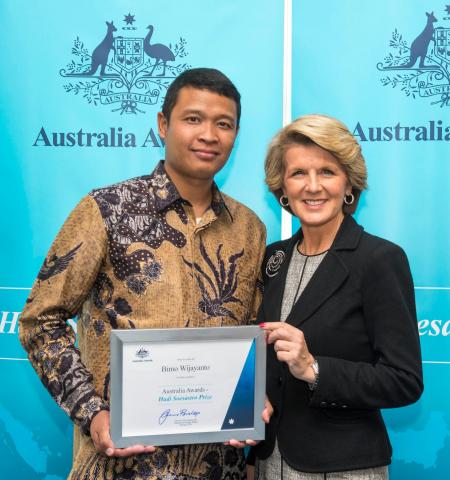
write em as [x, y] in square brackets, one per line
[318, 239]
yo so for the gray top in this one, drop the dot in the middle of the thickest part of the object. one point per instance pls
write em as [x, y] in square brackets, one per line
[271, 469]
[301, 269]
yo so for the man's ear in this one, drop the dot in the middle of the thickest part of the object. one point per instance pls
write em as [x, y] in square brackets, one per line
[162, 125]
[235, 136]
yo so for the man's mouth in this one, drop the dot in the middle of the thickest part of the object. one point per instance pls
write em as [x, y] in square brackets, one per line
[205, 154]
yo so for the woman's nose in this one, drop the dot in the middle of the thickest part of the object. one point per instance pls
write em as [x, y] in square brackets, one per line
[313, 183]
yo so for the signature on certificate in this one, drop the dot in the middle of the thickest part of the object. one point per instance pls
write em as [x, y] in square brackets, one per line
[183, 412]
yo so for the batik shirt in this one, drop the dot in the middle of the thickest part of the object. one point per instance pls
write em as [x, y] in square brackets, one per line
[132, 255]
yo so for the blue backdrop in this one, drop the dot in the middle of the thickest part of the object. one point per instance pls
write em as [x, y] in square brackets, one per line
[349, 62]
[48, 113]
[64, 133]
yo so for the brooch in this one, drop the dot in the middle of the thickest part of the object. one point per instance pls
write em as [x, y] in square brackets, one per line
[274, 263]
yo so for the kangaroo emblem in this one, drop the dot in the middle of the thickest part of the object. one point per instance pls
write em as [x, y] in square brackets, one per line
[101, 51]
[419, 47]
[421, 70]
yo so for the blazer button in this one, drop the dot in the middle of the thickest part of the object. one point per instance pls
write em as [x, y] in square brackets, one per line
[323, 404]
[344, 406]
[280, 380]
[333, 405]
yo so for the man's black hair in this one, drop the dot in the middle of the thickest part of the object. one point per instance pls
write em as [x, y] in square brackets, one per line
[203, 79]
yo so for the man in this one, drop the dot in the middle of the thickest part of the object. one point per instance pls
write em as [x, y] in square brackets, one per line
[163, 250]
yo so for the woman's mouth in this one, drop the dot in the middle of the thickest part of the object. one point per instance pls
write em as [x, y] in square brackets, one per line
[314, 203]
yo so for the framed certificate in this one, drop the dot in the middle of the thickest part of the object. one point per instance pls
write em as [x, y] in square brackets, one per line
[189, 385]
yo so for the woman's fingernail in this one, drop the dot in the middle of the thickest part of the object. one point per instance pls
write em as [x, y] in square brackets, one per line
[109, 451]
[262, 325]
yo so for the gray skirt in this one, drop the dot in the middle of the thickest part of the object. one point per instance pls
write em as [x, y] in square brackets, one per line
[275, 468]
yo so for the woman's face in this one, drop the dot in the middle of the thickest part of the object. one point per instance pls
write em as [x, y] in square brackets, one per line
[315, 184]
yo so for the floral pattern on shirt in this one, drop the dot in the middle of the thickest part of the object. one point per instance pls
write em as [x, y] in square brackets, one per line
[219, 285]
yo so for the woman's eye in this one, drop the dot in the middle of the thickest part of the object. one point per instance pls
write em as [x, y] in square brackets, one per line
[328, 172]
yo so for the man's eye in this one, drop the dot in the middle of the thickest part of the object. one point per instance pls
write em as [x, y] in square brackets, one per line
[193, 119]
[225, 125]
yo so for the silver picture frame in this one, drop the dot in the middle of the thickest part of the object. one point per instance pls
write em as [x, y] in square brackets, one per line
[142, 342]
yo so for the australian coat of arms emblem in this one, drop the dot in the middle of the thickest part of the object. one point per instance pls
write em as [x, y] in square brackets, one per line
[124, 72]
[421, 67]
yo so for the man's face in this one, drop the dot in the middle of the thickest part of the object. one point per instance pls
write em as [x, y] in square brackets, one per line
[200, 134]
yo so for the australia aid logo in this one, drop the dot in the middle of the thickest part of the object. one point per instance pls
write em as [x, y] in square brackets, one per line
[420, 67]
[142, 354]
[124, 71]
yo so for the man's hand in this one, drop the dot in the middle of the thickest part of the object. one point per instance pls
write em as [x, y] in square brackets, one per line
[268, 411]
[102, 439]
[266, 414]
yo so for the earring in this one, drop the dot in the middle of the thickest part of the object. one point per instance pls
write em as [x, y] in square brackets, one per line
[284, 201]
[349, 199]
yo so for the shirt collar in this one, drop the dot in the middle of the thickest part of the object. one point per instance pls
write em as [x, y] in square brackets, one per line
[165, 193]
[218, 202]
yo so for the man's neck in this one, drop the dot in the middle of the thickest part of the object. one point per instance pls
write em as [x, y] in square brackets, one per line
[197, 192]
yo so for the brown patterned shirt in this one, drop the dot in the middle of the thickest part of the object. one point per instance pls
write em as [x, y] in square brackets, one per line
[132, 256]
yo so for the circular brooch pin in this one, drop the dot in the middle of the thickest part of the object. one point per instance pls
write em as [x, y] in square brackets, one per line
[274, 263]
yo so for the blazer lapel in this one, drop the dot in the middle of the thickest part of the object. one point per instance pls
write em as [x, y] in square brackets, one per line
[328, 277]
[274, 290]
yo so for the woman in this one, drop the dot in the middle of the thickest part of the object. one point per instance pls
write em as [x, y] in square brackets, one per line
[339, 315]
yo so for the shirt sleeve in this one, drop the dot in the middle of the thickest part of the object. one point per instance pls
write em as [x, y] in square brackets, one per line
[395, 377]
[259, 284]
[63, 283]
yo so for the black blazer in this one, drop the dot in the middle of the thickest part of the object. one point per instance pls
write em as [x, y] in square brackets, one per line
[359, 320]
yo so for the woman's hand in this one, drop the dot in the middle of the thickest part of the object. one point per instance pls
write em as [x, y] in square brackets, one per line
[290, 346]
[265, 415]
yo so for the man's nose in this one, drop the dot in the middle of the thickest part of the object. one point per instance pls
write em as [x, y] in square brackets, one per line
[208, 132]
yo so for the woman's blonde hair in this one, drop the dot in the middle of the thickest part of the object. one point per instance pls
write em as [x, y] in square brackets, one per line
[329, 134]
